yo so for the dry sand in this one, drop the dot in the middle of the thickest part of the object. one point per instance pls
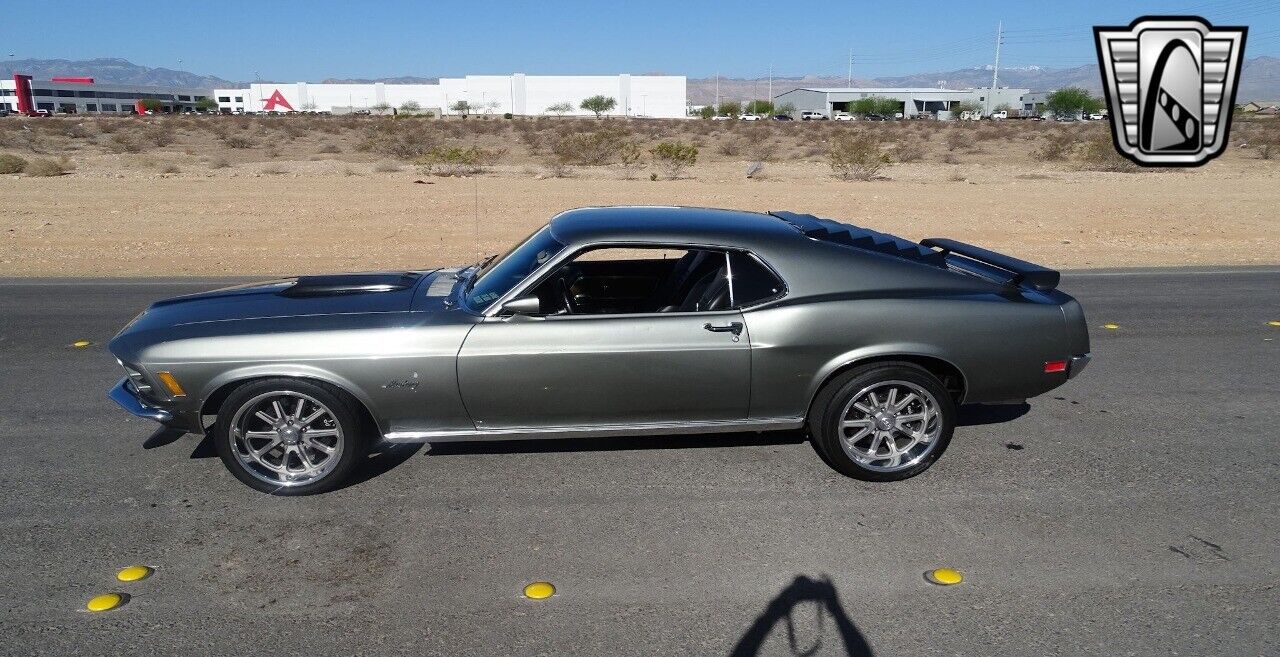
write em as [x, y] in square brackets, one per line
[306, 216]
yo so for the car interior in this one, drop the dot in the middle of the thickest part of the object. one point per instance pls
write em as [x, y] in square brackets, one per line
[652, 280]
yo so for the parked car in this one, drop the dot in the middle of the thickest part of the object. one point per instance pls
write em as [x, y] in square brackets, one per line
[749, 117]
[999, 115]
[809, 115]
[622, 321]
[843, 116]
[782, 117]
[1097, 116]
[721, 117]
[874, 117]
[1065, 118]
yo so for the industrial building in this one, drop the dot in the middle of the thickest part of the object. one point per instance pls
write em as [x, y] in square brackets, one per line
[659, 96]
[915, 100]
[86, 96]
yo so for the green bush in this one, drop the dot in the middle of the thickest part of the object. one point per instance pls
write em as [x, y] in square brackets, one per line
[590, 148]
[454, 160]
[599, 105]
[674, 157]
[10, 163]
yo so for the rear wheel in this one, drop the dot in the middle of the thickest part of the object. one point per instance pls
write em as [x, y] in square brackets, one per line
[883, 421]
[289, 437]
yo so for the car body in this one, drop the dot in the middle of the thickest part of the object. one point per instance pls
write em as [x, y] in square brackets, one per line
[721, 117]
[874, 117]
[810, 115]
[748, 117]
[844, 116]
[782, 117]
[763, 322]
[1097, 116]
[999, 115]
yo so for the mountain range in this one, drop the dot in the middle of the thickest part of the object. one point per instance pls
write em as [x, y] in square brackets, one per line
[1259, 78]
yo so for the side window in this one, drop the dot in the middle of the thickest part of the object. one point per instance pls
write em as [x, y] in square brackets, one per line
[752, 281]
[633, 280]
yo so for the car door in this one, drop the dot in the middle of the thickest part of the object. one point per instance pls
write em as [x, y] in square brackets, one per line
[593, 370]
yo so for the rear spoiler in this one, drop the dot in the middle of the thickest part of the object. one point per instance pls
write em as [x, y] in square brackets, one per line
[1040, 278]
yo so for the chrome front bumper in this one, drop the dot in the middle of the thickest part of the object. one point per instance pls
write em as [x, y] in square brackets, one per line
[1077, 365]
[128, 399]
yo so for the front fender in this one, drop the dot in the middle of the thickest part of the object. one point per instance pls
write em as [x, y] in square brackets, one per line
[288, 370]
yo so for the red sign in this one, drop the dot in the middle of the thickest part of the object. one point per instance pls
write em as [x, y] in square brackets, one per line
[276, 98]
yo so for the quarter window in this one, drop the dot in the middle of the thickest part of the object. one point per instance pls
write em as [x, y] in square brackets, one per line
[752, 281]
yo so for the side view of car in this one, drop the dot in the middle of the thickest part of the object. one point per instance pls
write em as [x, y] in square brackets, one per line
[614, 321]
[809, 115]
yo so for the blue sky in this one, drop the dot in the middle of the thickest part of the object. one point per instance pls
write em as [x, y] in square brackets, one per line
[293, 40]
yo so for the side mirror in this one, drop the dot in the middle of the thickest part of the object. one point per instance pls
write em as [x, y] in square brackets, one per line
[529, 305]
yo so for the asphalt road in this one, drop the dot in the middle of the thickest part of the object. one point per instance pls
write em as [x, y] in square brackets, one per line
[1135, 510]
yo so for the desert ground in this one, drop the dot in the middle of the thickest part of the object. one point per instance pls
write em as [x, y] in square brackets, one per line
[161, 195]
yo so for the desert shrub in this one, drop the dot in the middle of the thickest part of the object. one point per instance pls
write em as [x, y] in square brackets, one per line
[958, 139]
[856, 156]
[237, 141]
[1267, 140]
[170, 168]
[763, 151]
[454, 160]
[909, 151]
[219, 163]
[674, 157]
[160, 135]
[125, 142]
[328, 148]
[1099, 154]
[589, 148]
[730, 148]
[10, 163]
[386, 167]
[273, 170]
[629, 154]
[403, 140]
[43, 167]
[108, 126]
[1056, 146]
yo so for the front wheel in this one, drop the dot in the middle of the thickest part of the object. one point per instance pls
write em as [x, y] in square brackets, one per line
[883, 421]
[289, 437]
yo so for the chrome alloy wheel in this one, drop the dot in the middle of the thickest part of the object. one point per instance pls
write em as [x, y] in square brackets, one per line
[890, 426]
[286, 438]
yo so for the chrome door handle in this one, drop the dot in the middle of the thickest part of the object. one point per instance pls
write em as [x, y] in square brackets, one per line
[733, 327]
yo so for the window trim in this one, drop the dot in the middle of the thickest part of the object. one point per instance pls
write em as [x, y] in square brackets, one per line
[536, 277]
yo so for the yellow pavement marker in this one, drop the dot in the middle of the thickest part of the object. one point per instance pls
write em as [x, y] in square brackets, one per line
[105, 602]
[81, 344]
[1274, 322]
[134, 573]
[539, 590]
[1111, 327]
[944, 576]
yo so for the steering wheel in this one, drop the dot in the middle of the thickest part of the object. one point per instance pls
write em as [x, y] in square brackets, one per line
[566, 295]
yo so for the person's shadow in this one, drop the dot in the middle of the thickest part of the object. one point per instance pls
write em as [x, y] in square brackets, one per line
[802, 589]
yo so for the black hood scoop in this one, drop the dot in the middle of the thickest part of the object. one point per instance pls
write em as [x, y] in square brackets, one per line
[338, 284]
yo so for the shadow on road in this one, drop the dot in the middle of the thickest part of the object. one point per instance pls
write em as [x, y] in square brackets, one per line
[618, 443]
[975, 414]
[782, 607]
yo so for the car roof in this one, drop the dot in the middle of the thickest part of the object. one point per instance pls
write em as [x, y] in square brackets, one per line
[670, 224]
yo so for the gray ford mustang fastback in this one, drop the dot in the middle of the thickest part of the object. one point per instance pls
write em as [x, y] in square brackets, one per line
[630, 321]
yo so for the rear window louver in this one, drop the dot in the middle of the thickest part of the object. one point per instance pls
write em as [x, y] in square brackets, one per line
[862, 238]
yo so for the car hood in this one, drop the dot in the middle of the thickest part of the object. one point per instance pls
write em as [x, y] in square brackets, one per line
[370, 292]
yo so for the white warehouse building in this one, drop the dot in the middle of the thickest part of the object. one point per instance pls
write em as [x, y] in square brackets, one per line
[658, 96]
[914, 100]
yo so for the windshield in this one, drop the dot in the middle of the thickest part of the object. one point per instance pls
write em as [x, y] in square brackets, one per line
[501, 274]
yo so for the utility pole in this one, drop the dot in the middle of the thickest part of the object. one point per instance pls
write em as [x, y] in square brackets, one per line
[770, 99]
[995, 73]
[716, 106]
[851, 68]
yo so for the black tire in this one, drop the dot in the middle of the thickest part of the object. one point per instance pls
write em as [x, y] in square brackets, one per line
[346, 415]
[826, 417]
